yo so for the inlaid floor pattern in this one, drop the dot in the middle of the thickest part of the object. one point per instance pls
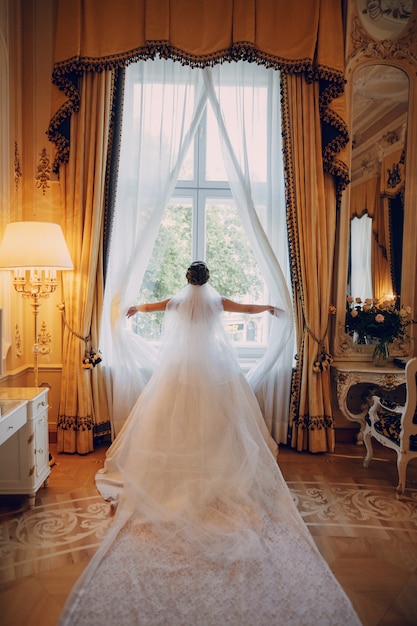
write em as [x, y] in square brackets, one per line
[368, 537]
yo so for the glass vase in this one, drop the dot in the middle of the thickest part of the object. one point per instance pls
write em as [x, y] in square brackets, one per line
[380, 356]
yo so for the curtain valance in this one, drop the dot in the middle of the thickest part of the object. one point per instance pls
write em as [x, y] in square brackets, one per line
[365, 198]
[103, 33]
[295, 37]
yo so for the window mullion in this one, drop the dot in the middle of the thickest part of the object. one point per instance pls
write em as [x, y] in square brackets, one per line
[199, 243]
[201, 151]
[201, 225]
[194, 223]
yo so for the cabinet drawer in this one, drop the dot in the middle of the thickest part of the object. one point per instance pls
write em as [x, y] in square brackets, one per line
[38, 405]
[11, 420]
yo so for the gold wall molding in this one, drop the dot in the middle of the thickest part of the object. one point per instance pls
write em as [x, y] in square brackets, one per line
[364, 45]
[18, 342]
[44, 170]
[44, 339]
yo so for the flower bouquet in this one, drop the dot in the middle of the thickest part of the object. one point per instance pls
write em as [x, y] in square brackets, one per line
[377, 322]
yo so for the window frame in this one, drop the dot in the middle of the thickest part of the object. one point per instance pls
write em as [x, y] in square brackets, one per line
[197, 191]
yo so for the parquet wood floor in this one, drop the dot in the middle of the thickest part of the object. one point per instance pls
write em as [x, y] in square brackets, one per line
[367, 536]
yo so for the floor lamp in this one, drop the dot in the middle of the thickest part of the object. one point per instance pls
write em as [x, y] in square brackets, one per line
[34, 251]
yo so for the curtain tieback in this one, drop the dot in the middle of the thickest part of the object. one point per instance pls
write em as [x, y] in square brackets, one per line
[324, 359]
[91, 357]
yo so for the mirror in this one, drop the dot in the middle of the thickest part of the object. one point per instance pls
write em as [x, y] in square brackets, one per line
[380, 102]
[374, 214]
[382, 120]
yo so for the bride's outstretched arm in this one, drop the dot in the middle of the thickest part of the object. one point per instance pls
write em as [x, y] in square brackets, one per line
[236, 307]
[148, 307]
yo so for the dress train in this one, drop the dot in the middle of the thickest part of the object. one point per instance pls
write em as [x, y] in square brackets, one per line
[206, 531]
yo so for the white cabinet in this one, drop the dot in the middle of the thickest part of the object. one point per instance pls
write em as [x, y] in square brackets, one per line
[24, 456]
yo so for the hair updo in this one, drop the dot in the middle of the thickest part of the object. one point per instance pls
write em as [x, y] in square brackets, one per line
[198, 273]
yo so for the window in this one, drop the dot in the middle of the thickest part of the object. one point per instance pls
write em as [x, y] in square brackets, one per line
[202, 222]
[174, 201]
[360, 257]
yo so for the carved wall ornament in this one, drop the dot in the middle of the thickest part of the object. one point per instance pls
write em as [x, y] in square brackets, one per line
[44, 170]
[365, 46]
[370, 164]
[18, 342]
[44, 340]
[17, 167]
[395, 9]
[390, 138]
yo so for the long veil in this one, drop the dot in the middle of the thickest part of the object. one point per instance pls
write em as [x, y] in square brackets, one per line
[195, 443]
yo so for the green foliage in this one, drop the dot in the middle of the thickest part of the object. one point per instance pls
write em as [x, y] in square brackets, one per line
[165, 273]
[233, 270]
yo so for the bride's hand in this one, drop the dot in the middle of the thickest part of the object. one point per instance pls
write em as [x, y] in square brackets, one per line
[273, 310]
[131, 311]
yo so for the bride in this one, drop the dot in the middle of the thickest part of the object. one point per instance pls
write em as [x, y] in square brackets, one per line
[206, 531]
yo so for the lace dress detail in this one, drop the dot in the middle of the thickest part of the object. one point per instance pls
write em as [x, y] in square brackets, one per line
[140, 581]
[206, 531]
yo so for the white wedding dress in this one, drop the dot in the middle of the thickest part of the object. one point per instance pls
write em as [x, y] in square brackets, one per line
[206, 531]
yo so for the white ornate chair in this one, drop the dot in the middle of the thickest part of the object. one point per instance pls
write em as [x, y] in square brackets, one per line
[395, 426]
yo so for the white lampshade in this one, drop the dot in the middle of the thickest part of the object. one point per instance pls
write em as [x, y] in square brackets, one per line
[34, 244]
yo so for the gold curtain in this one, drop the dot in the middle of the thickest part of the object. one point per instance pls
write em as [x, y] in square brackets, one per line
[105, 29]
[83, 400]
[304, 41]
[364, 197]
[311, 201]
[392, 182]
[381, 251]
[296, 37]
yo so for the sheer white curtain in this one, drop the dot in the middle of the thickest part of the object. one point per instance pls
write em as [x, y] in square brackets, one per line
[360, 255]
[159, 122]
[241, 94]
[163, 104]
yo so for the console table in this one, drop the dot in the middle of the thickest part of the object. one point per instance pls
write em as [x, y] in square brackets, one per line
[350, 373]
